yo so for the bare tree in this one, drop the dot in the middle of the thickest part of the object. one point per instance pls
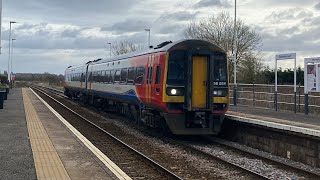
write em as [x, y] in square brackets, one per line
[220, 30]
[124, 47]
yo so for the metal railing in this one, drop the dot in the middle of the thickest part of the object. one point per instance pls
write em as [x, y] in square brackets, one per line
[263, 96]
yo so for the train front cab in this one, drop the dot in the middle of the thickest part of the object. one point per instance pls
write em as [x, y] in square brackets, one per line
[196, 88]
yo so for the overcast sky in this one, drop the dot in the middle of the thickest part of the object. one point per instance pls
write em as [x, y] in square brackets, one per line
[53, 34]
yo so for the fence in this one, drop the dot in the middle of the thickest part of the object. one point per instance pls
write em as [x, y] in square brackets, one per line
[263, 96]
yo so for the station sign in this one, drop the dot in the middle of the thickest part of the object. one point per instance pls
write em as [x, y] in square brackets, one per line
[312, 74]
[286, 56]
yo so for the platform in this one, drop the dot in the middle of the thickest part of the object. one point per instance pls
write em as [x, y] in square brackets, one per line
[284, 120]
[35, 143]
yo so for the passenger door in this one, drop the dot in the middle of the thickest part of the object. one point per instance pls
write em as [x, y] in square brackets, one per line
[156, 81]
[199, 82]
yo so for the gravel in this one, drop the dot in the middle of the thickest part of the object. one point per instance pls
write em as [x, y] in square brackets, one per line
[186, 164]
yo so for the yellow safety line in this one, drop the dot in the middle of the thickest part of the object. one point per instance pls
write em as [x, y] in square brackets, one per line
[46, 159]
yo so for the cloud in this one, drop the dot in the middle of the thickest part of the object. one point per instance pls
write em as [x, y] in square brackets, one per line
[127, 26]
[215, 3]
[80, 12]
[179, 16]
[286, 15]
[317, 6]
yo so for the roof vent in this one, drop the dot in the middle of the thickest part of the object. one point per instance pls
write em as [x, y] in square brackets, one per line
[163, 44]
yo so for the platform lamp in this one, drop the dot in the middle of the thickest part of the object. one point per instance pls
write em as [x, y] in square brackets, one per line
[9, 73]
[110, 48]
[235, 55]
[11, 80]
[148, 30]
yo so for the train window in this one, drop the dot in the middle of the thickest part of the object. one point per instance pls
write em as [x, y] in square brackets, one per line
[82, 77]
[117, 76]
[149, 80]
[107, 77]
[94, 76]
[124, 73]
[100, 76]
[176, 70]
[220, 68]
[103, 76]
[112, 76]
[158, 74]
[140, 71]
[131, 74]
[90, 78]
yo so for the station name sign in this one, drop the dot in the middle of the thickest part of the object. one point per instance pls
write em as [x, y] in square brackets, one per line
[286, 56]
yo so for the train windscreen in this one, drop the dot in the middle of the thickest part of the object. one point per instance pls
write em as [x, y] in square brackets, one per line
[220, 69]
[176, 68]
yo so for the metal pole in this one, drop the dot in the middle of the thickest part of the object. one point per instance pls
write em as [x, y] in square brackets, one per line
[11, 61]
[235, 55]
[276, 86]
[295, 84]
[109, 49]
[148, 37]
[9, 53]
[306, 103]
[0, 25]
[253, 95]
[299, 100]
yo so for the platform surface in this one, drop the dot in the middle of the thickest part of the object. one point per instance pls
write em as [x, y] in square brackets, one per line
[35, 144]
[287, 120]
[16, 160]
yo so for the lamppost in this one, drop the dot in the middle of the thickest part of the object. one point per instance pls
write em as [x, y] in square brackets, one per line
[11, 80]
[110, 48]
[9, 73]
[148, 37]
[235, 55]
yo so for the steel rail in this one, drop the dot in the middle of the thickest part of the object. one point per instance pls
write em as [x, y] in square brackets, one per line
[224, 143]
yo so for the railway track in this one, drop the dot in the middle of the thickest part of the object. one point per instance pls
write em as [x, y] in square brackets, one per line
[132, 158]
[194, 150]
[251, 154]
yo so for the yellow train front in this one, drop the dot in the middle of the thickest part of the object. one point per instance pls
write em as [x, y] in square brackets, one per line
[196, 88]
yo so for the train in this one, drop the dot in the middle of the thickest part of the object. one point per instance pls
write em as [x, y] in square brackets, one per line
[179, 87]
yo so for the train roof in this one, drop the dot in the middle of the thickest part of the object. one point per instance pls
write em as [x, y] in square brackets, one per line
[163, 47]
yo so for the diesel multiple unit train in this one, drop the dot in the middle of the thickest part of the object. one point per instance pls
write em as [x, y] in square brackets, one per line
[181, 87]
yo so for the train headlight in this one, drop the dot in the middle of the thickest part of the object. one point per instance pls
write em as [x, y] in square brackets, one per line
[217, 92]
[175, 91]
[220, 92]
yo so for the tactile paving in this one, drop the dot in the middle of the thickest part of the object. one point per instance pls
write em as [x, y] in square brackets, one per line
[47, 162]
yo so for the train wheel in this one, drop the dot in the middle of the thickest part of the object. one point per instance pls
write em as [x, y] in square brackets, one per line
[165, 130]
